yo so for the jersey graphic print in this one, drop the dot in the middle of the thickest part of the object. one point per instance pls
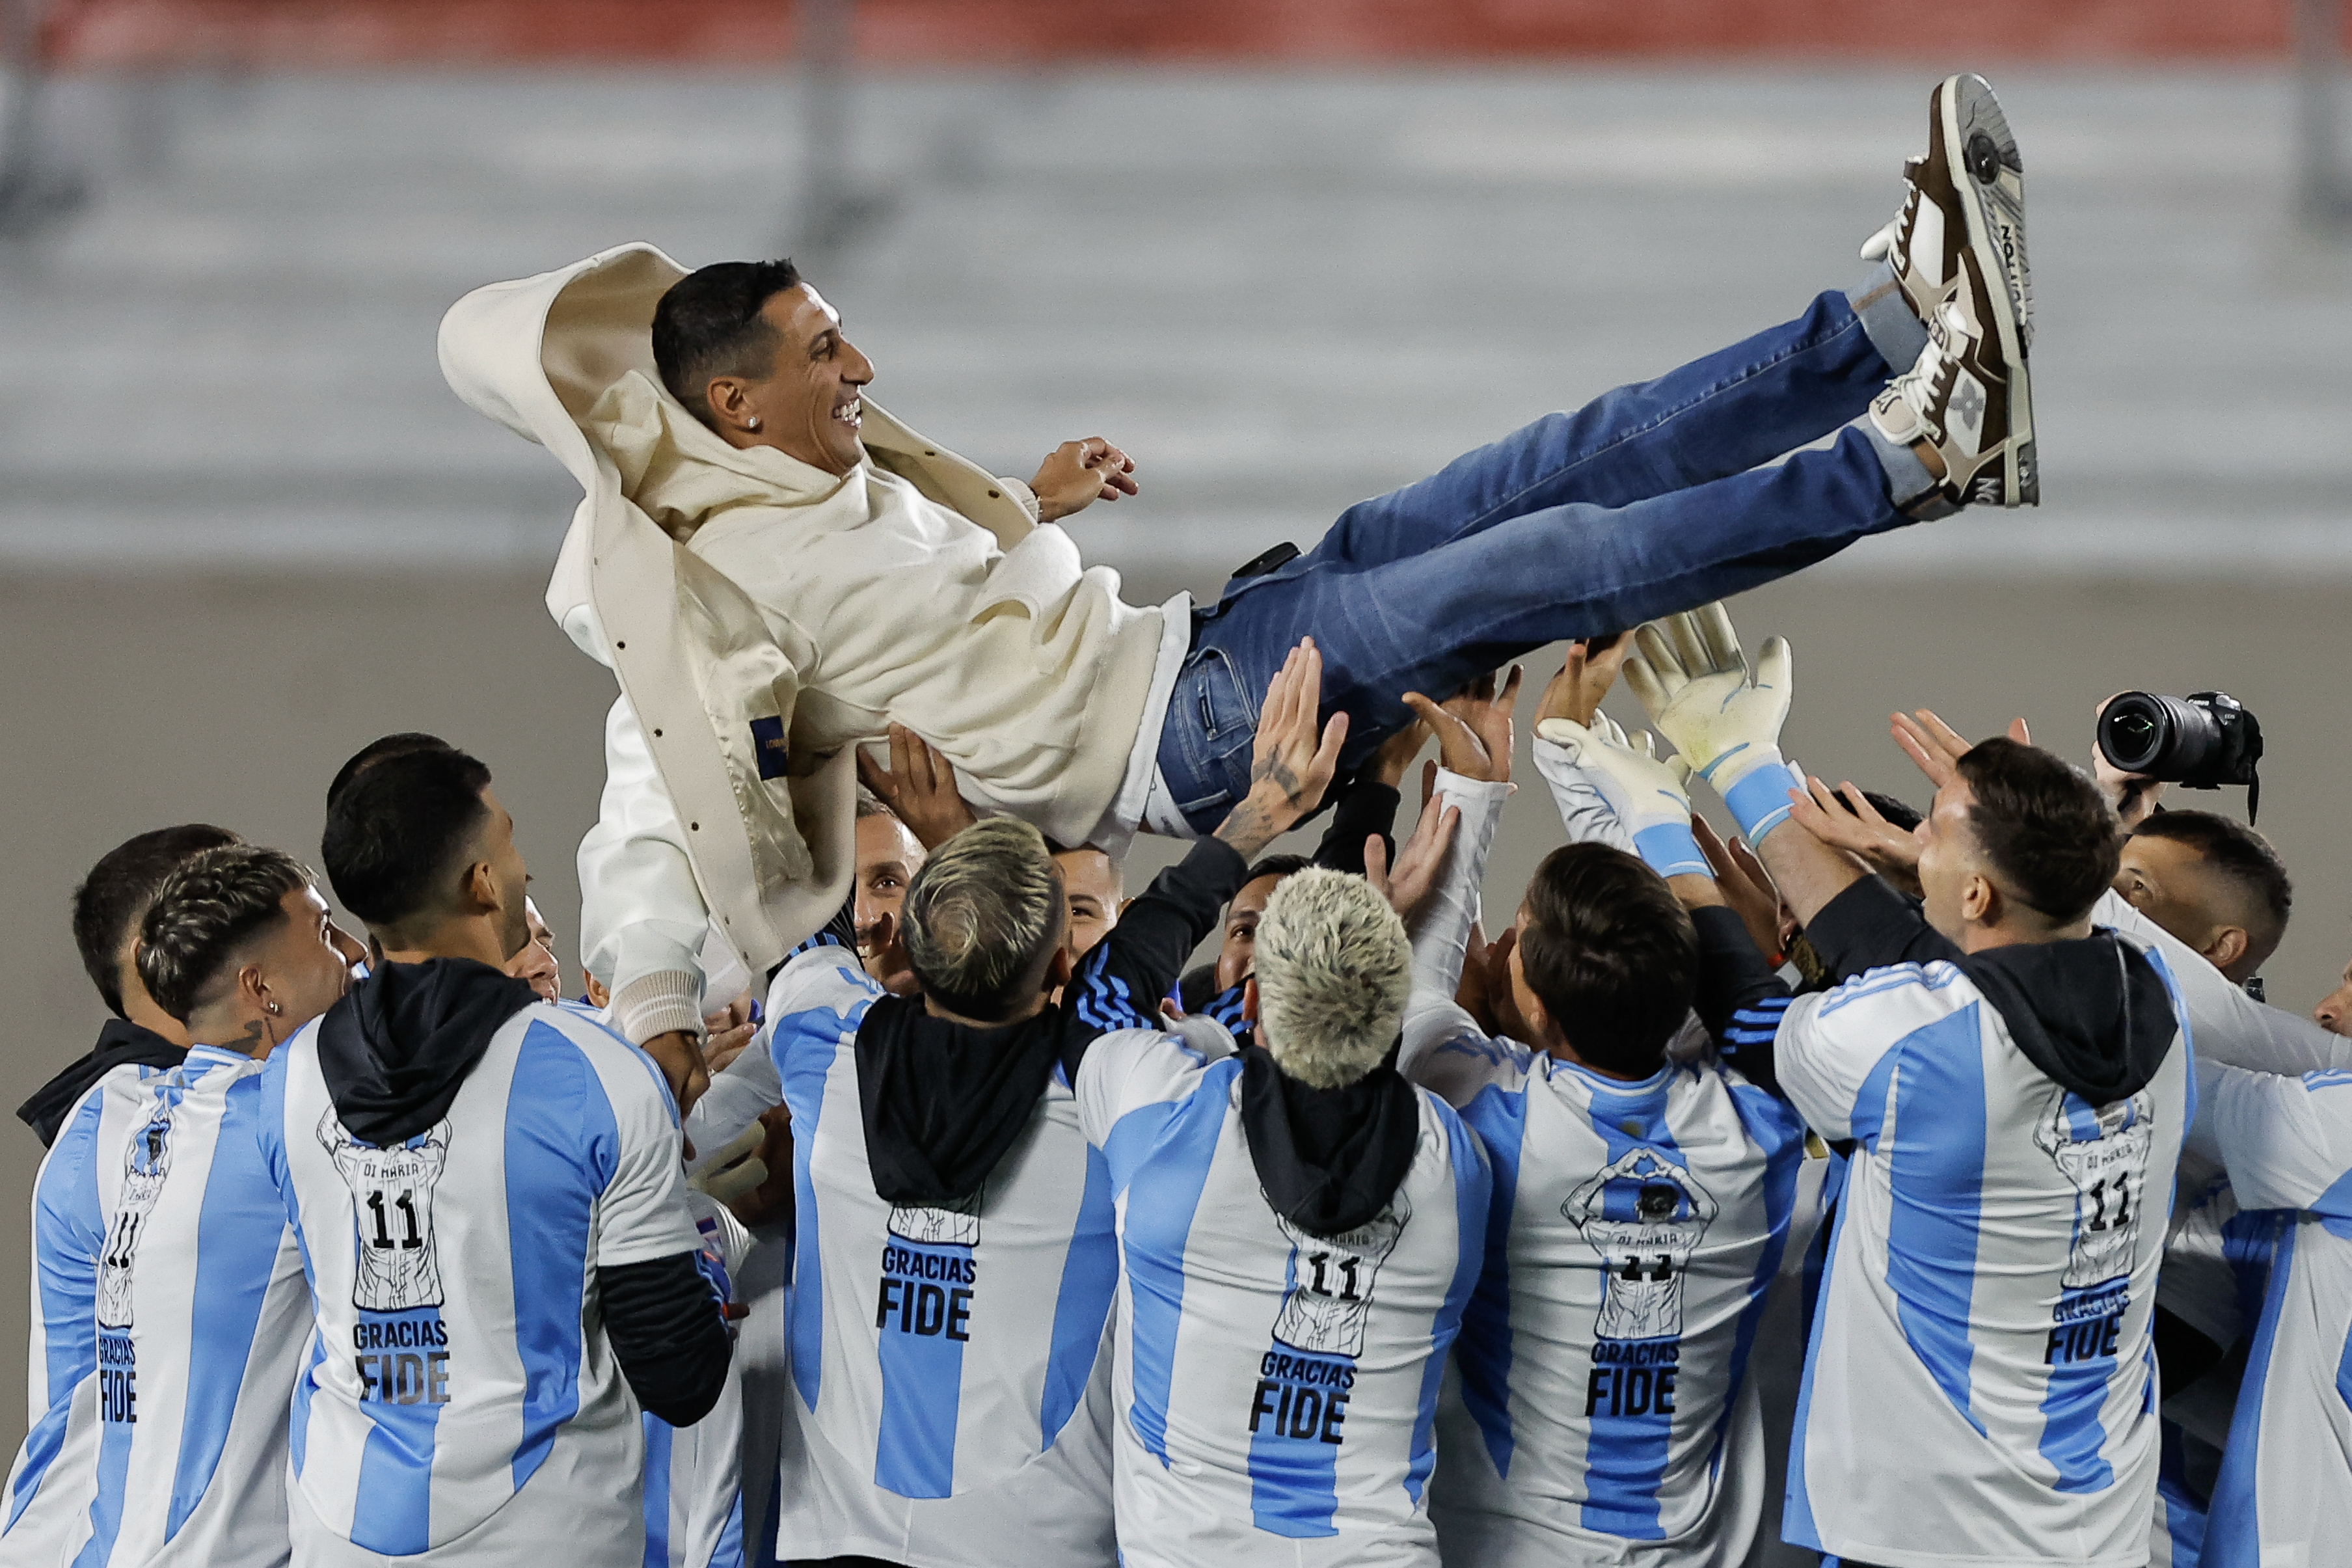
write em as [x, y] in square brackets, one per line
[145, 1164]
[1331, 1294]
[2104, 1154]
[922, 1315]
[391, 1207]
[1645, 1216]
[1298, 1412]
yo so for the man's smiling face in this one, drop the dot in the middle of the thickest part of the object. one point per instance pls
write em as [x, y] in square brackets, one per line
[808, 404]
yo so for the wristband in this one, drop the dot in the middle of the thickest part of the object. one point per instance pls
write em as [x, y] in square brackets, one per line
[1759, 801]
[1670, 850]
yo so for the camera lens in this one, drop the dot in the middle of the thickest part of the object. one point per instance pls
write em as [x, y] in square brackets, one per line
[2161, 737]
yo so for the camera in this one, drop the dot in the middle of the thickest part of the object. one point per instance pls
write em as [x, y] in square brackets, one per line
[2203, 741]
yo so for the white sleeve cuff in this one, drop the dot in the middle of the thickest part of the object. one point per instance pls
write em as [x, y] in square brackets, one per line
[658, 1003]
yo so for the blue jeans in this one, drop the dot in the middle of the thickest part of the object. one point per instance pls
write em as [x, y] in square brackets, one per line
[1646, 502]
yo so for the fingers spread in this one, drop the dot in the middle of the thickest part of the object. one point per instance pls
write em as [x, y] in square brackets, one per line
[1713, 623]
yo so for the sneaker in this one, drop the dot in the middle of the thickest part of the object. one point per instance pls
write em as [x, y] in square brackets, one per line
[1967, 399]
[1967, 194]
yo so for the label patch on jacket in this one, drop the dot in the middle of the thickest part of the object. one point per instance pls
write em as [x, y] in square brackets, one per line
[768, 747]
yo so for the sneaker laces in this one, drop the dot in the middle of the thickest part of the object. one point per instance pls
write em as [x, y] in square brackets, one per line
[1926, 386]
[1888, 244]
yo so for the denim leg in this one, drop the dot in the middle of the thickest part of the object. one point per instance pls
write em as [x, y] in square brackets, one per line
[1707, 420]
[1433, 619]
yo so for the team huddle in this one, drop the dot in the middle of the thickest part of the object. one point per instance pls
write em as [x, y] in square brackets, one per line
[1892, 1187]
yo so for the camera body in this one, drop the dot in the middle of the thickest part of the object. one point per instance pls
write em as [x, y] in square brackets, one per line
[2203, 741]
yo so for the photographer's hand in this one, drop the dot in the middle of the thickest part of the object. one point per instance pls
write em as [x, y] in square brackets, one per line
[2133, 795]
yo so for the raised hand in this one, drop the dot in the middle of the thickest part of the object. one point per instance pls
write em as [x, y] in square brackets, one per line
[1575, 693]
[1473, 727]
[1691, 676]
[1936, 747]
[1419, 860]
[1076, 474]
[1291, 763]
[1747, 888]
[920, 788]
[1649, 796]
[1844, 819]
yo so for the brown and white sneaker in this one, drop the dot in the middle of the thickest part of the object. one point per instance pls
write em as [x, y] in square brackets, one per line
[1967, 194]
[1966, 406]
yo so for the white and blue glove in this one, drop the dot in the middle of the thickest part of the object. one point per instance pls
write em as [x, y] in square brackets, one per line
[1648, 793]
[1690, 675]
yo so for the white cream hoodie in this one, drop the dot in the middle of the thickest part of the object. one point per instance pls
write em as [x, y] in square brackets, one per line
[740, 593]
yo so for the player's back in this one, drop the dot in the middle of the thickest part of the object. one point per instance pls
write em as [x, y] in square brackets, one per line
[950, 1398]
[1276, 1389]
[460, 1350]
[1634, 1229]
[172, 1311]
[1979, 1385]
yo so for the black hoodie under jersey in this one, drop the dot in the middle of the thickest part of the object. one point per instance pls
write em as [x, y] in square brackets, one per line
[1329, 1160]
[119, 1041]
[943, 1101]
[395, 1051]
[2092, 1014]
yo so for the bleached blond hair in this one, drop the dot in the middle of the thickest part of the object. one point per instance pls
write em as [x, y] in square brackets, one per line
[984, 918]
[1333, 970]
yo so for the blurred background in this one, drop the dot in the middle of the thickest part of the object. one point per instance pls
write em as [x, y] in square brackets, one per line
[1289, 253]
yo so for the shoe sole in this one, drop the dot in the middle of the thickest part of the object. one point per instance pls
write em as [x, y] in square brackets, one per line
[1977, 135]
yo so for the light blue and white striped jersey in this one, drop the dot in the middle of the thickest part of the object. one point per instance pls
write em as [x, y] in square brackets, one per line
[1980, 1384]
[168, 1319]
[951, 1399]
[2285, 1495]
[694, 1474]
[1277, 1391]
[460, 1350]
[1634, 1230]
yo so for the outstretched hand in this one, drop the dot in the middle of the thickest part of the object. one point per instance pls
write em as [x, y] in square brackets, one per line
[1473, 726]
[1844, 819]
[1291, 763]
[1936, 747]
[920, 788]
[1575, 693]
[1691, 676]
[1077, 474]
[1419, 860]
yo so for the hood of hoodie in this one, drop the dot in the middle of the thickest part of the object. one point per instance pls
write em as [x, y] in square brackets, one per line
[119, 1041]
[2094, 1014]
[395, 1051]
[944, 1102]
[1330, 1160]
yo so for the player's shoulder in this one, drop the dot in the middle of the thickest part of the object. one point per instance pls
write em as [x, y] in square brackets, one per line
[818, 983]
[1896, 991]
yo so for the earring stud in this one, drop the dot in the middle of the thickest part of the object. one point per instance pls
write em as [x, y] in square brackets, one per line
[752, 423]
[271, 1005]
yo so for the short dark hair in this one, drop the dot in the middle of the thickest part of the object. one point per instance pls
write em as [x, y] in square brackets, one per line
[2045, 826]
[1275, 866]
[1611, 953]
[401, 830]
[110, 900]
[2236, 851]
[204, 912]
[394, 745]
[709, 323]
